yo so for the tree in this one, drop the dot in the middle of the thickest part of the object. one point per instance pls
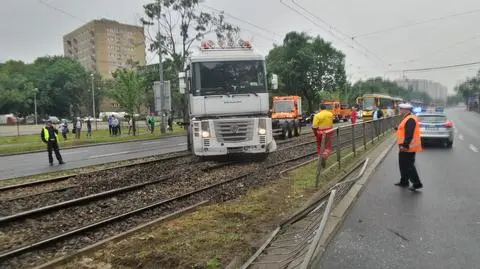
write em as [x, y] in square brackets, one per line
[308, 66]
[183, 24]
[61, 84]
[128, 88]
[468, 88]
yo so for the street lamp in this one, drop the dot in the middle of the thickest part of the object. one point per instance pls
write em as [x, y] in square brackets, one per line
[93, 101]
[35, 103]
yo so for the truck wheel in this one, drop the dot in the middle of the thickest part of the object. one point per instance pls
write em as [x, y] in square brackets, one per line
[284, 133]
[290, 131]
[296, 128]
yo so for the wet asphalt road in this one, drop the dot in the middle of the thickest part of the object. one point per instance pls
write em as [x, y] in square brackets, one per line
[437, 228]
[36, 163]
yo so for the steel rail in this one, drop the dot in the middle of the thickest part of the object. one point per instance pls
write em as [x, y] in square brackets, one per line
[35, 245]
[63, 178]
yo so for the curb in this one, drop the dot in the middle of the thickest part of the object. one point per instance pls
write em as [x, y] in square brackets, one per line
[91, 145]
[338, 215]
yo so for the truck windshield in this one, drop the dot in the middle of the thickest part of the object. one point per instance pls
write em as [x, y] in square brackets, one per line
[228, 77]
[283, 106]
[368, 103]
[328, 106]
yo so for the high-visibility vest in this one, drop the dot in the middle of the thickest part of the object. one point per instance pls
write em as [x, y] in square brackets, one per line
[416, 143]
[46, 134]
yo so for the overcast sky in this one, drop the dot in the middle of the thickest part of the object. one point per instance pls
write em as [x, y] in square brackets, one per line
[30, 29]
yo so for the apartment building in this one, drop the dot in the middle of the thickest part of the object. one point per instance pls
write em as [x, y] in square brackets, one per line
[103, 46]
[435, 90]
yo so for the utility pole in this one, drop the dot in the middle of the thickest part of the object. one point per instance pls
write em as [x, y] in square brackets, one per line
[93, 101]
[35, 103]
[160, 68]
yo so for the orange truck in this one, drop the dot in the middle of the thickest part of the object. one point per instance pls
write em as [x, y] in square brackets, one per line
[286, 114]
[340, 111]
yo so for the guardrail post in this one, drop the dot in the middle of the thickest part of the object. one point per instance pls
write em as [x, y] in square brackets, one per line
[374, 131]
[364, 135]
[338, 147]
[353, 140]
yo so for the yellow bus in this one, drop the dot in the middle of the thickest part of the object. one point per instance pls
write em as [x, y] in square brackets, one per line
[368, 101]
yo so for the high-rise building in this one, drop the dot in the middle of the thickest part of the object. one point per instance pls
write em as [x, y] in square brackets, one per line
[105, 45]
[435, 90]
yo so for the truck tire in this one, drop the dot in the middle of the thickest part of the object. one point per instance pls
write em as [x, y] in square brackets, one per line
[284, 133]
[290, 130]
[296, 129]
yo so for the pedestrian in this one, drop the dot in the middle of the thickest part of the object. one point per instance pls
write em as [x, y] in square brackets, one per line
[89, 127]
[170, 122]
[49, 136]
[409, 143]
[389, 112]
[323, 123]
[110, 129]
[78, 127]
[65, 131]
[151, 122]
[377, 115]
[114, 125]
[130, 125]
[353, 116]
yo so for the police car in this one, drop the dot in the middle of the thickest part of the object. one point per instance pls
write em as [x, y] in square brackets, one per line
[435, 127]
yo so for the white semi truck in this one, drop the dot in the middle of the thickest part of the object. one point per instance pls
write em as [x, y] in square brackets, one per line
[228, 101]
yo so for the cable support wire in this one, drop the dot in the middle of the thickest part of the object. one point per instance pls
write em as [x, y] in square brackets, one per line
[366, 52]
[408, 25]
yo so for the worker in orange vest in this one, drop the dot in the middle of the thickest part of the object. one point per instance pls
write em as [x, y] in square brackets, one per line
[321, 124]
[353, 116]
[409, 143]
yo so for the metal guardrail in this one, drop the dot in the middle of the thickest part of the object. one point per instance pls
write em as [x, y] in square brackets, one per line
[295, 241]
[360, 135]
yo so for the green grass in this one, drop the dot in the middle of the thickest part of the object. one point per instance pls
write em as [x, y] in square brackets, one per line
[26, 143]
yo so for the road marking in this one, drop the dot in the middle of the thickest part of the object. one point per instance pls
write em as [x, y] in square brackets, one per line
[149, 143]
[74, 152]
[460, 137]
[473, 148]
[182, 144]
[110, 154]
[455, 130]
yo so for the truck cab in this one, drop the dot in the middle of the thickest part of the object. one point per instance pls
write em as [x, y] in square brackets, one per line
[286, 114]
[340, 111]
[228, 101]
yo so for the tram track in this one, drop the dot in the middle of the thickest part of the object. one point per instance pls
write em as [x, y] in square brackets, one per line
[88, 219]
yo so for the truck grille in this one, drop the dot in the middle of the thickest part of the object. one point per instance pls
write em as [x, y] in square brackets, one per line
[234, 131]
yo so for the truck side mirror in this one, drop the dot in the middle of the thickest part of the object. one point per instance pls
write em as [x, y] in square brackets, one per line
[274, 81]
[181, 82]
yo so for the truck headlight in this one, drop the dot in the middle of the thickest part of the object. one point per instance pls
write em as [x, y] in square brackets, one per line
[262, 126]
[205, 129]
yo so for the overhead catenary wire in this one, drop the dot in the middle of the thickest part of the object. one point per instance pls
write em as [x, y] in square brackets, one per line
[330, 31]
[61, 11]
[337, 30]
[408, 25]
[432, 68]
[249, 23]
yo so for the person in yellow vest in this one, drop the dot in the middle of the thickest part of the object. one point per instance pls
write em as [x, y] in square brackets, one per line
[409, 143]
[49, 136]
[321, 124]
